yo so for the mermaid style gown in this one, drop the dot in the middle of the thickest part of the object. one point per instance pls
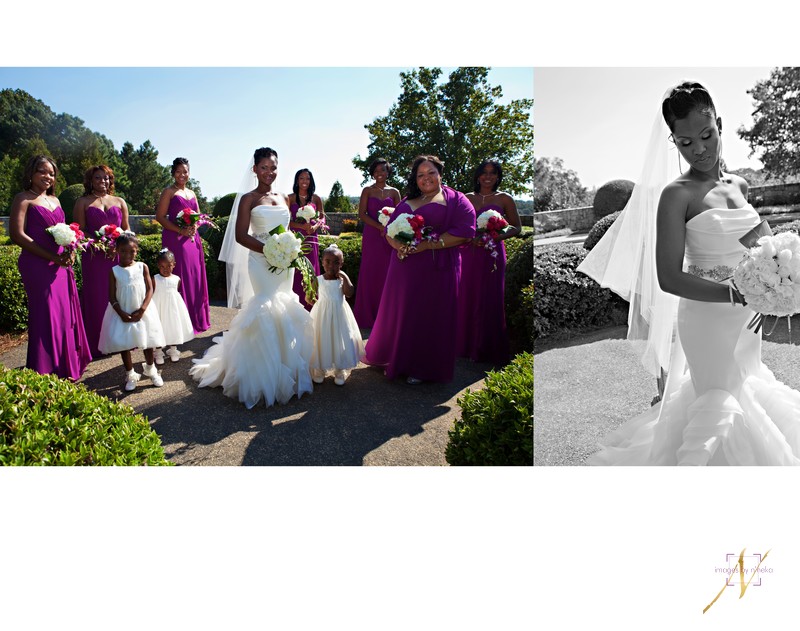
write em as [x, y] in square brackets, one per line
[190, 265]
[95, 267]
[722, 405]
[313, 256]
[481, 332]
[57, 341]
[266, 352]
[375, 256]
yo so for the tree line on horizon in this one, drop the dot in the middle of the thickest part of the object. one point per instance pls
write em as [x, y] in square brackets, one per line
[459, 119]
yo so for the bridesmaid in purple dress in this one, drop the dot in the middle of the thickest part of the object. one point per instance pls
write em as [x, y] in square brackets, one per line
[303, 188]
[57, 341]
[415, 329]
[185, 244]
[375, 251]
[97, 208]
[482, 334]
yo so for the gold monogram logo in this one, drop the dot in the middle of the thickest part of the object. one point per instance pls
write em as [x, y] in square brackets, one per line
[742, 584]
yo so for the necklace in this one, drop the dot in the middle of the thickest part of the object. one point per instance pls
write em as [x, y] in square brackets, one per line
[46, 199]
[430, 196]
[377, 188]
[483, 197]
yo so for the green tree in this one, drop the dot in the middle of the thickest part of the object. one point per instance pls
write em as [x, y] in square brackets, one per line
[460, 121]
[337, 201]
[556, 187]
[10, 182]
[146, 177]
[776, 122]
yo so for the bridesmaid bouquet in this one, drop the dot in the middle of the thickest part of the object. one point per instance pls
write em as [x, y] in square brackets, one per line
[189, 218]
[283, 250]
[769, 278]
[308, 214]
[107, 238]
[410, 230]
[384, 214]
[70, 237]
[490, 226]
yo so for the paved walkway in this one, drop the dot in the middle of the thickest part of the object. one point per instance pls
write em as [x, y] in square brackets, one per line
[369, 421]
[589, 385]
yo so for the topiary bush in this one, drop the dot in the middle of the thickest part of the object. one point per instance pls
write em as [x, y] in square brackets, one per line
[496, 424]
[519, 274]
[599, 229]
[45, 420]
[215, 237]
[224, 205]
[149, 226]
[567, 300]
[611, 197]
[68, 197]
[14, 300]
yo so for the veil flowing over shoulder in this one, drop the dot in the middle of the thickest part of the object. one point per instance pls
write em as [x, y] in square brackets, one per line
[624, 259]
[240, 289]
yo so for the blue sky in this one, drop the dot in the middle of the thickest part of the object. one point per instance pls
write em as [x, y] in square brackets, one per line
[598, 120]
[216, 117]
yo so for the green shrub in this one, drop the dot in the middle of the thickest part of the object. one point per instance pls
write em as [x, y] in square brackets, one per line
[515, 244]
[45, 420]
[611, 197]
[215, 237]
[14, 300]
[789, 226]
[68, 197]
[522, 319]
[351, 248]
[224, 205]
[567, 300]
[496, 424]
[148, 226]
[599, 229]
[150, 245]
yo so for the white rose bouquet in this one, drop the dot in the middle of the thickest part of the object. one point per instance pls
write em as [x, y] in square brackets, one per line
[283, 250]
[384, 214]
[70, 237]
[769, 277]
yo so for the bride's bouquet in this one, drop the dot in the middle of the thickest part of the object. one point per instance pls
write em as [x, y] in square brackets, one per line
[186, 218]
[283, 250]
[308, 214]
[491, 225]
[410, 230]
[769, 277]
[70, 237]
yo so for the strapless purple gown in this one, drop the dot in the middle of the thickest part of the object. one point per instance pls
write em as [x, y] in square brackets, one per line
[482, 334]
[57, 341]
[313, 256]
[415, 329]
[190, 265]
[95, 267]
[375, 256]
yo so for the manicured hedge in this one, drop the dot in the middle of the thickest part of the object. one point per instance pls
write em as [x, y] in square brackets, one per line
[599, 229]
[567, 300]
[611, 197]
[496, 424]
[519, 275]
[224, 205]
[45, 420]
[13, 299]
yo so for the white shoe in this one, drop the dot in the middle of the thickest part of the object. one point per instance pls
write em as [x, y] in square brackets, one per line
[152, 372]
[159, 356]
[173, 353]
[317, 379]
[132, 379]
[339, 381]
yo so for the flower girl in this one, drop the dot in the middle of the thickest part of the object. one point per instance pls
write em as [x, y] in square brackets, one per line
[127, 322]
[175, 319]
[338, 346]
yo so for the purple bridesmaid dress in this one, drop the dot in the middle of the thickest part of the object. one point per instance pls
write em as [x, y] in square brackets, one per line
[375, 256]
[190, 265]
[313, 256]
[95, 267]
[415, 329]
[482, 334]
[57, 341]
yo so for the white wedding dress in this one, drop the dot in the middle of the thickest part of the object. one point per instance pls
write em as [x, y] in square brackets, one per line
[266, 353]
[722, 405]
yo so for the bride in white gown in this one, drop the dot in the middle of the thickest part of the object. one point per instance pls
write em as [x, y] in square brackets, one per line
[721, 404]
[265, 354]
